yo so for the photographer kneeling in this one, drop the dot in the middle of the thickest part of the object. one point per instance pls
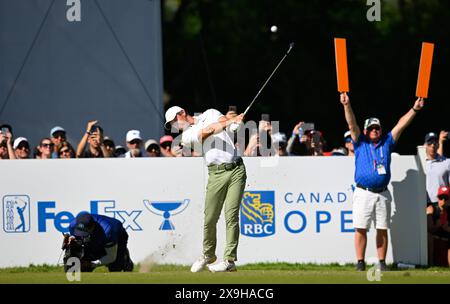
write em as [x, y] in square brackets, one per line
[98, 240]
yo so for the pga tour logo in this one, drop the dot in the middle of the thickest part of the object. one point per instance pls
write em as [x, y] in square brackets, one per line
[258, 213]
[16, 213]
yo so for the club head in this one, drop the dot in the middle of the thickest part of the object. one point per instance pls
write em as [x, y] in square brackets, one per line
[291, 45]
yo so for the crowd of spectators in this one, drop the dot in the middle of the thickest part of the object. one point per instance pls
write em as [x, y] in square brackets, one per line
[304, 140]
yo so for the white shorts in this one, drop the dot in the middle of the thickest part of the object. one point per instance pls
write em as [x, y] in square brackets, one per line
[368, 206]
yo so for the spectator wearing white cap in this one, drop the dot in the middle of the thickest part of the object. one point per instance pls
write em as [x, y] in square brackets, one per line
[341, 151]
[152, 148]
[58, 136]
[348, 144]
[94, 137]
[372, 199]
[120, 151]
[437, 168]
[279, 142]
[21, 148]
[6, 143]
[134, 143]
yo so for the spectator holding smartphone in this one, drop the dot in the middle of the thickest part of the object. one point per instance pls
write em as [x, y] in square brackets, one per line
[6, 143]
[260, 143]
[134, 143]
[305, 141]
[94, 137]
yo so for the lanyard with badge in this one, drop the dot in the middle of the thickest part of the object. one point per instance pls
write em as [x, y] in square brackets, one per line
[379, 167]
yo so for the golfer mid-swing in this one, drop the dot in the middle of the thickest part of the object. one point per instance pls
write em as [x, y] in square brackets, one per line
[226, 180]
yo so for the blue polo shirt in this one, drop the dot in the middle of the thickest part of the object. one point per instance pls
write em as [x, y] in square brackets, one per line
[368, 155]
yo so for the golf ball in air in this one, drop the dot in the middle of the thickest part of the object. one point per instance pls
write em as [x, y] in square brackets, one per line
[273, 28]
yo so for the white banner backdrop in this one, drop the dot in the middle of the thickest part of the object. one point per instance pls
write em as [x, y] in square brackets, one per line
[295, 209]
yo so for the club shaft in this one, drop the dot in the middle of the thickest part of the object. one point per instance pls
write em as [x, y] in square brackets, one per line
[268, 79]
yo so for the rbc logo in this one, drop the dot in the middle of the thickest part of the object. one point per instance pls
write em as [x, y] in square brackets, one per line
[258, 213]
[16, 213]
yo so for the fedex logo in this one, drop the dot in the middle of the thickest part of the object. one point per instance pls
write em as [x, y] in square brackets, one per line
[61, 220]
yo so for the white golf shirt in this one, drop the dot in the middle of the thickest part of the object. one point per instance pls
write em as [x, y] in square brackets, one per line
[217, 148]
[438, 174]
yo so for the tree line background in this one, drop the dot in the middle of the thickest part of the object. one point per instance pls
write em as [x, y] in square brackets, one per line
[218, 53]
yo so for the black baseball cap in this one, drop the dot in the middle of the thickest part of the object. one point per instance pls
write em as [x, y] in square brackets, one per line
[431, 137]
[6, 126]
[84, 225]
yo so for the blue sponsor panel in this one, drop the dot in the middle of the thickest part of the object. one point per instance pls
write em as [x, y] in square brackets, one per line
[258, 213]
[16, 213]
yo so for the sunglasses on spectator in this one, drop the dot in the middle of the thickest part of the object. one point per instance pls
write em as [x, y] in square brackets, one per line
[59, 135]
[153, 148]
[443, 197]
[47, 145]
[373, 128]
[64, 151]
[23, 146]
[166, 144]
[135, 142]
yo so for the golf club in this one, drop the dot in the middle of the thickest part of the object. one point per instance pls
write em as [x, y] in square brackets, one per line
[291, 45]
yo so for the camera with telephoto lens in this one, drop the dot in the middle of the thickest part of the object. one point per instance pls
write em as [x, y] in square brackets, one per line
[76, 249]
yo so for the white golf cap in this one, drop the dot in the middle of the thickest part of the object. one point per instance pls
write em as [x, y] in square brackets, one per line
[171, 113]
[18, 140]
[347, 134]
[56, 129]
[133, 134]
[371, 122]
[279, 138]
[150, 142]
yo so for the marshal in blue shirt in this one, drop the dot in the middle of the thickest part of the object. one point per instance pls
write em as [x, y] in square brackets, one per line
[368, 156]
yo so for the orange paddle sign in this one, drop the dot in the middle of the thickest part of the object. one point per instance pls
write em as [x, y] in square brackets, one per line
[426, 60]
[340, 49]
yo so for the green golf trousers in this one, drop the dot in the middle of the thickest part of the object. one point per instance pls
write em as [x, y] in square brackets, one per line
[226, 185]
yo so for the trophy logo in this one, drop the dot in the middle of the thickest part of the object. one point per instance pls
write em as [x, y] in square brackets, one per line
[166, 209]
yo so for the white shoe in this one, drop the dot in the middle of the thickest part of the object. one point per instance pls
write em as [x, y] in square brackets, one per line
[201, 263]
[224, 266]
